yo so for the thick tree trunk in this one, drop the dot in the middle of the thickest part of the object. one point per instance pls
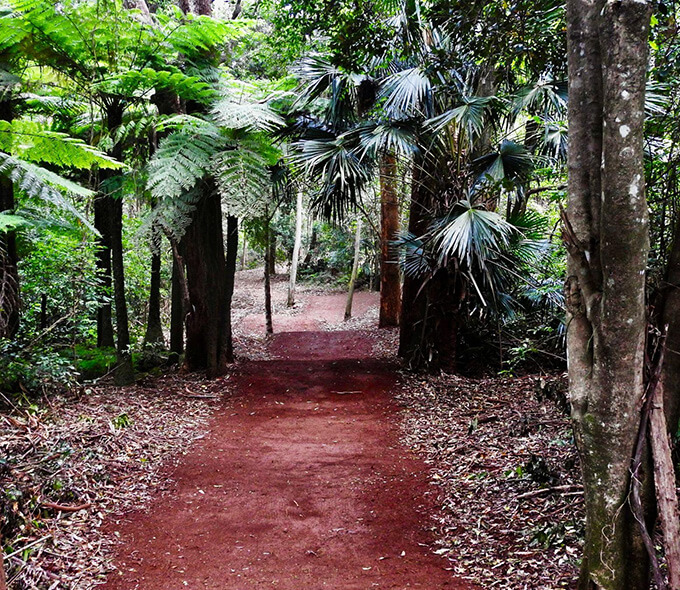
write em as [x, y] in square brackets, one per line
[267, 278]
[9, 274]
[296, 251]
[154, 325]
[232, 257]
[390, 279]
[207, 324]
[355, 270]
[607, 241]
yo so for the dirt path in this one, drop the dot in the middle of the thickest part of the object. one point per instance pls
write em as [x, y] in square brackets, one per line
[300, 485]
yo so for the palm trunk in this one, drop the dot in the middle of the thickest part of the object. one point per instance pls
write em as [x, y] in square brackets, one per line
[355, 270]
[607, 240]
[296, 251]
[390, 280]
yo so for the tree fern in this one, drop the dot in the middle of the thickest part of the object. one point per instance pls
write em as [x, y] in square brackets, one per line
[29, 140]
[182, 159]
[43, 185]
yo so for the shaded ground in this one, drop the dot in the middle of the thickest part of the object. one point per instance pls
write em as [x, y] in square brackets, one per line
[301, 483]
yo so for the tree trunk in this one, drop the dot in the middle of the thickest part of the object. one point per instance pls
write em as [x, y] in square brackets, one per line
[296, 251]
[208, 322]
[9, 274]
[267, 278]
[154, 325]
[312, 247]
[244, 253]
[414, 305]
[232, 257]
[390, 279]
[666, 495]
[177, 312]
[272, 251]
[355, 270]
[103, 215]
[607, 241]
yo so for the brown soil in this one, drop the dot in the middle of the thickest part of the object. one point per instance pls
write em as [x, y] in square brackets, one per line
[301, 484]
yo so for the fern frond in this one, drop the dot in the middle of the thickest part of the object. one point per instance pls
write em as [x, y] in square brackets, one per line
[29, 140]
[243, 178]
[140, 82]
[250, 116]
[43, 185]
[182, 159]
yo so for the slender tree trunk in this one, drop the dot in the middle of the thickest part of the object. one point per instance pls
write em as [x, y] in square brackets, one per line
[312, 247]
[154, 325]
[272, 251]
[607, 241]
[103, 215]
[231, 258]
[296, 251]
[244, 253]
[207, 323]
[267, 277]
[177, 312]
[666, 495]
[112, 232]
[355, 270]
[390, 279]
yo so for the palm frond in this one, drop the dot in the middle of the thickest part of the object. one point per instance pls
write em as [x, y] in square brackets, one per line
[408, 92]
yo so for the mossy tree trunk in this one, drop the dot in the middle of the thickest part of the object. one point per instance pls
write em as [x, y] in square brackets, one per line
[606, 235]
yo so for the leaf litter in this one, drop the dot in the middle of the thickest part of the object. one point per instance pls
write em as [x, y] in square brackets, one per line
[70, 465]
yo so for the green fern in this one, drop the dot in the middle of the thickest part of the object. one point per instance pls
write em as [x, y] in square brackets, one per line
[182, 159]
[244, 177]
[43, 185]
[29, 140]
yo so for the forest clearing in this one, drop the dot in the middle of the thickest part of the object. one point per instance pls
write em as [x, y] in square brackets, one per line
[339, 294]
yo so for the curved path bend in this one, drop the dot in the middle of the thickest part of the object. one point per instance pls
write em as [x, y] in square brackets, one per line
[301, 484]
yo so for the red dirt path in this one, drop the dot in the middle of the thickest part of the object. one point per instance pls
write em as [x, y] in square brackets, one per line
[301, 484]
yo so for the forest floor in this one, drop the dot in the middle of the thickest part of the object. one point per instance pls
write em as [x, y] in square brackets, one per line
[317, 463]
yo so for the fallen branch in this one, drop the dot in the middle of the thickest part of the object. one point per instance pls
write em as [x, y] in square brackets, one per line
[31, 544]
[62, 508]
[569, 488]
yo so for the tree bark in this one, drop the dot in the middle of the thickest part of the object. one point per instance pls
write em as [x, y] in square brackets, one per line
[355, 270]
[10, 295]
[666, 495]
[607, 242]
[9, 274]
[177, 312]
[103, 215]
[272, 250]
[390, 279]
[154, 325]
[267, 277]
[208, 318]
[232, 257]
[296, 251]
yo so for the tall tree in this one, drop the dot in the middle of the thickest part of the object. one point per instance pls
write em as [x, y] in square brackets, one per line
[390, 280]
[606, 233]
